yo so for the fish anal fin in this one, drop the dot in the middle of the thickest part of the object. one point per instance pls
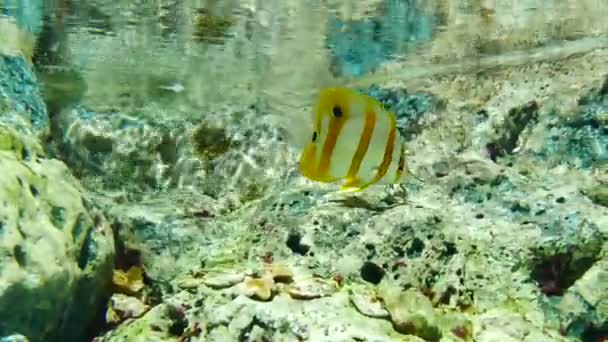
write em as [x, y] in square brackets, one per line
[351, 185]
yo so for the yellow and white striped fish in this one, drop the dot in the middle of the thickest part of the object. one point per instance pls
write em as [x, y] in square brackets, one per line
[353, 140]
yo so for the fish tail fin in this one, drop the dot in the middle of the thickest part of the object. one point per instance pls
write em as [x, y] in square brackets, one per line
[409, 172]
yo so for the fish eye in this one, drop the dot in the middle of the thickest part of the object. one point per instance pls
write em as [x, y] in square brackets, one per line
[314, 136]
[337, 111]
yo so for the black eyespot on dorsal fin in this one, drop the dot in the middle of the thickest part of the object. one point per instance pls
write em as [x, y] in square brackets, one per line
[314, 136]
[337, 111]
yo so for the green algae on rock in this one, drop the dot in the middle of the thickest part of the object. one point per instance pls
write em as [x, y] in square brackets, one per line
[598, 194]
[210, 142]
[411, 312]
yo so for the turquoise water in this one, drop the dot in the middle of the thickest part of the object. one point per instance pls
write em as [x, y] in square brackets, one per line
[150, 187]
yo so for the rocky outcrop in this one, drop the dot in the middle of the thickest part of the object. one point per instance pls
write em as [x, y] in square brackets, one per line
[21, 104]
[57, 251]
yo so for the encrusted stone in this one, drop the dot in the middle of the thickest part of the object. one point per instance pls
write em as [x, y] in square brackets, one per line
[223, 280]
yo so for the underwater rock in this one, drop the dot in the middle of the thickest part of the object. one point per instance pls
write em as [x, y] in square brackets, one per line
[55, 247]
[188, 282]
[125, 160]
[213, 316]
[14, 40]
[223, 280]
[20, 92]
[168, 238]
[222, 160]
[310, 289]
[368, 304]
[409, 108]
[122, 149]
[258, 288]
[129, 282]
[210, 142]
[411, 313]
[122, 307]
[585, 304]
[508, 134]
[581, 137]
[280, 273]
[598, 194]
[568, 247]
[161, 323]
[502, 325]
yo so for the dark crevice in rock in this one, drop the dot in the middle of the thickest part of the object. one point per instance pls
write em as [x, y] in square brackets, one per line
[555, 273]
[20, 255]
[125, 257]
[595, 334]
[245, 334]
[87, 252]
[516, 121]
[415, 249]
[294, 242]
[179, 321]
[34, 191]
[595, 94]
[58, 216]
[372, 273]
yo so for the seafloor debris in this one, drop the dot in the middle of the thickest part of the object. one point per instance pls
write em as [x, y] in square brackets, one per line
[121, 307]
[211, 142]
[411, 313]
[258, 288]
[311, 288]
[223, 280]
[368, 304]
[129, 282]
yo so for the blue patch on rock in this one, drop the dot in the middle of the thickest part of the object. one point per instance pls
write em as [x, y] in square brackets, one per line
[583, 137]
[409, 108]
[19, 88]
[358, 47]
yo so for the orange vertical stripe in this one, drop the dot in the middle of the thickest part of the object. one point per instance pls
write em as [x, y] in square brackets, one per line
[333, 131]
[366, 137]
[388, 152]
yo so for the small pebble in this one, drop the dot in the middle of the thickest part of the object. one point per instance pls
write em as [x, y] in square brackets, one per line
[258, 288]
[188, 282]
[311, 289]
[223, 280]
[368, 305]
[122, 307]
[279, 272]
